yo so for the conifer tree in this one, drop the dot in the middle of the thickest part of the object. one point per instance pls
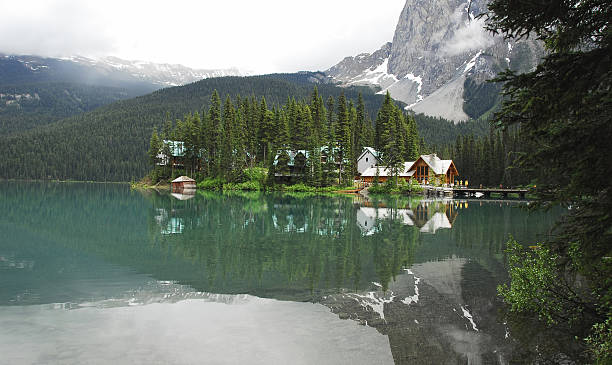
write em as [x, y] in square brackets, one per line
[412, 140]
[384, 123]
[319, 120]
[343, 140]
[228, 150]
[215, 130]
[267, 129]
[331, 122]
[359, 134]
[155, 146]
[282, 130]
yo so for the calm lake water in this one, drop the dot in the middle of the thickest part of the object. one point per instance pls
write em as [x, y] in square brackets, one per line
[97, 273]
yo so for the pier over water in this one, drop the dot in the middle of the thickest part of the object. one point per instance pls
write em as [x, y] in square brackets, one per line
[471, 192]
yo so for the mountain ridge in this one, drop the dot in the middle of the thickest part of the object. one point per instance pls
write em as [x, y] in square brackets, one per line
[440, 52]
[105, 71]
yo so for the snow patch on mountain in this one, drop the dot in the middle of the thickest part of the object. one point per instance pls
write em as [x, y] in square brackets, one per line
[472, 62]
[376, 76]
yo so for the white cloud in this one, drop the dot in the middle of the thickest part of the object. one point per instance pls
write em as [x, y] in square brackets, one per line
[263, 36]
[471, 36]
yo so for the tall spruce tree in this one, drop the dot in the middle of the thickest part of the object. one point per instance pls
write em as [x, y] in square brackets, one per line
[331, 121]
[563, 107]
[343, 140]
[155, 146]
[215, 129]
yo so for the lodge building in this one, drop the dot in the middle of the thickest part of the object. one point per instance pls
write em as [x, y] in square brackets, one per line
[427, 169]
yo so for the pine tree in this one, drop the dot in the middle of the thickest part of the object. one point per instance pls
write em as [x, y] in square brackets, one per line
[412, 140]
[216, 132]
[319, 120]
[331, 122]
[384, 123]
[267, 129]
[359, 135]
[283, 137]
[228, 150]
[155, 146]
[343, 140]
[563, 109]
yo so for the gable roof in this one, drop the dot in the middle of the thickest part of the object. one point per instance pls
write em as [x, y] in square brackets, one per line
[177, 148]
[183, 179]
[385, 171]
[292, 155]
[438, 166]
[375, 153]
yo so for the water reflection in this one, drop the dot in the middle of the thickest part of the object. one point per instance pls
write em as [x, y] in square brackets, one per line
[427, 215]
[421, 271]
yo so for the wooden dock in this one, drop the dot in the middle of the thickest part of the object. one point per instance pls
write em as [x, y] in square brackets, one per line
[471, 192]
[487, 192]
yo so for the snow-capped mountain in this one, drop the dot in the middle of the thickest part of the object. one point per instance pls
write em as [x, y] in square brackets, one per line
[365, 69]
[158, 73]
[107, 71]
[439, 60]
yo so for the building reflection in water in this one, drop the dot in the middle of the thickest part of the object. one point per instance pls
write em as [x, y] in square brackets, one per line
[427, 215]
[422, 271]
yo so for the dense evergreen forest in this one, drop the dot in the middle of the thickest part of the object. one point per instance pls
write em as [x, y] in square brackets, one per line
[27, 106]
[490, 160]
[244, 132]
[439, 131]
[110, 143]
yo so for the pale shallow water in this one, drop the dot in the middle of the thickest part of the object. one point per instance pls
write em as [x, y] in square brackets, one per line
[194, 331]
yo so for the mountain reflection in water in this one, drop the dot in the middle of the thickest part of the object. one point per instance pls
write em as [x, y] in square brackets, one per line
[423, 272]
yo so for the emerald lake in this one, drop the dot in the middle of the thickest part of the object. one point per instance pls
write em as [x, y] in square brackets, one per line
[99, 273]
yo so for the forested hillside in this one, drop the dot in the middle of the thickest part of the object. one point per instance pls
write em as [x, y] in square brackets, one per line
[28, 106]
[110, 143]
[35, 91]
[439, 131]
[237, 134]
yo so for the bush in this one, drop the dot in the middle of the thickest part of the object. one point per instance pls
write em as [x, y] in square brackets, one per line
[300, 187]
[211, 184]
[389, 187]
[410, 187]
[379, 189]
[258, 174]
[250, 185]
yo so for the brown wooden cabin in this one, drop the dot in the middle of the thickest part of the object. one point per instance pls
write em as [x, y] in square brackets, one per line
[426, 169]
[183, 184]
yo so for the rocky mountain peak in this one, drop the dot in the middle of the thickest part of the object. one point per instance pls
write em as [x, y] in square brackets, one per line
[365, 68]
[439, 46]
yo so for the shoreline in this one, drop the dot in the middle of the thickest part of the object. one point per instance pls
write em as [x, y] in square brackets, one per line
[318, 191]
[66, 181]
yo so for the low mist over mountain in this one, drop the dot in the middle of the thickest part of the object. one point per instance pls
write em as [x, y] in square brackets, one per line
[439, 60]
[35, 91]
[107, 71]
[162, 74]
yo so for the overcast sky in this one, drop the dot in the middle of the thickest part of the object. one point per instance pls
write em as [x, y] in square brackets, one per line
[259, 36]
